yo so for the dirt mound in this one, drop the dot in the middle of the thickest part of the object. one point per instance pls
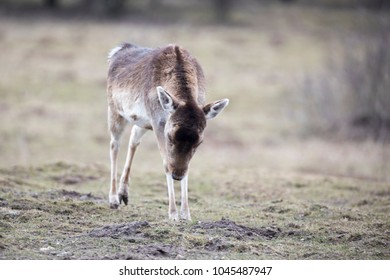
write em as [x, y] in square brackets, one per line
[122, 230]
[138, 250]
[231, 229]
[218, 244]
[65, 194]
[152, 251]
[73, 179]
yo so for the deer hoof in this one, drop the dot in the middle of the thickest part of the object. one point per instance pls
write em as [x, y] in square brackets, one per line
[173, 216]
[114, 201]
[114, 205]
[185, 216]
[124, 198]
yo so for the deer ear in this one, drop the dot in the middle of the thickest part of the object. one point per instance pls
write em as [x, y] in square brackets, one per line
[213, 109]
[168, 103]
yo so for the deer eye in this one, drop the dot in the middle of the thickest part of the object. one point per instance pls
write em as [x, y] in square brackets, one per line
[170, 140]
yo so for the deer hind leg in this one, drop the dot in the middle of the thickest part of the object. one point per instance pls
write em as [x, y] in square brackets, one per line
[116, 125]
[135, 139]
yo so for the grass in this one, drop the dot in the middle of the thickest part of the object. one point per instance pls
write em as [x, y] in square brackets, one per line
[257, 189]
[59, 211]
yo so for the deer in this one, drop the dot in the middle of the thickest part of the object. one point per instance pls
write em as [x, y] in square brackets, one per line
[162, 90]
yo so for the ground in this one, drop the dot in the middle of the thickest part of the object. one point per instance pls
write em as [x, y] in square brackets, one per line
[258, 189]
[60, 211]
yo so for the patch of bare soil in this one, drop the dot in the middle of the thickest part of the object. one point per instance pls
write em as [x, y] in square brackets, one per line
[133, 233]
[217, 244]
[152, 251]
[127, 231]
[65, 194]
[231, 229]
[73, 179]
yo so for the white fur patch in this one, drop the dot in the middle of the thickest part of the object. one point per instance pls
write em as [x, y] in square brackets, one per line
[131, 108]
[113, 52]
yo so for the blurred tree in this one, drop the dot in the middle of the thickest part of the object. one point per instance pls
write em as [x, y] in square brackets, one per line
[222, 9]
[368, 78]
[51, 3]
[155, 4]
[379, 4]
[350, 97]
[108, 7]
[114, 6]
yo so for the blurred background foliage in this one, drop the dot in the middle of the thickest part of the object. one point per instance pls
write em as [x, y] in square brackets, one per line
[222, 9]
[308, 80]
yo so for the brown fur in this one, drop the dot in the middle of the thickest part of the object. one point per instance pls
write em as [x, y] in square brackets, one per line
[170, 67]
[161, 89]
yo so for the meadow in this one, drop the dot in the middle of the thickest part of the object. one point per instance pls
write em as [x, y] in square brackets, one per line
[261, 186]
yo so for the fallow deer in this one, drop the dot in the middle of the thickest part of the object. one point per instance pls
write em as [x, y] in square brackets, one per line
[160, 89]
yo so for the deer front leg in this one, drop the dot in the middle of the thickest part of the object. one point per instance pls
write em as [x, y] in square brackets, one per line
[184, 208]
[172, 210]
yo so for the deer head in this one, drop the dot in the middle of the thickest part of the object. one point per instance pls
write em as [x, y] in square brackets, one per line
[184, 129]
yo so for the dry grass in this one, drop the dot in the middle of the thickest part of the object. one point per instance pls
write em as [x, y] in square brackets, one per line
[59, 211]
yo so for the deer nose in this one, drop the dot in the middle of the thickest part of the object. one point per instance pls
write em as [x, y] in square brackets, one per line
[176, 176]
